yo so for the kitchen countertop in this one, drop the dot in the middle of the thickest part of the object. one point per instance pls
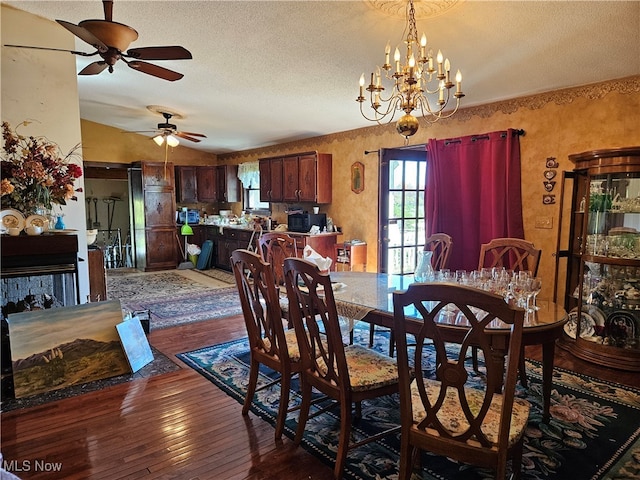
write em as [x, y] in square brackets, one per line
[249, 229]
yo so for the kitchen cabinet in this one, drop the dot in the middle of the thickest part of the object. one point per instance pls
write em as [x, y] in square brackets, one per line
[228, 187]
[153, 215]
[270, 180]
[323, 243]
[271, 172]
[602, 291]
[231, 239]
[206, 184]
[186, 184]
[304, 177]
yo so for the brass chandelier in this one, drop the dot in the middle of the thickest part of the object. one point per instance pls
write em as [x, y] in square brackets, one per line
[420, 84]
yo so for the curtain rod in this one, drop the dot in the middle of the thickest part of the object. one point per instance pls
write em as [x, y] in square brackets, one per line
[519, 132]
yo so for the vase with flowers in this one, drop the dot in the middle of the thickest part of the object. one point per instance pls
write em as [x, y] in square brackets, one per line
[35, 173]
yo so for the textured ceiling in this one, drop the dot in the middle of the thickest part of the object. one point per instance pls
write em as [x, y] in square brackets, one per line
[273, 71]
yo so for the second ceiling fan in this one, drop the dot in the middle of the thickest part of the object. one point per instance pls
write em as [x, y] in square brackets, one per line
[168, 132]
[111, 41]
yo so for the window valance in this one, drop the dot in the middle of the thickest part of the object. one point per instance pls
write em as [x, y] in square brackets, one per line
[249, 174]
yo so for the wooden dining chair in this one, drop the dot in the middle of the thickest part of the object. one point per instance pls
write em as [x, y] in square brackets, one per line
[446, 412]
[347, 374]
[269, 342]
[514, 254]
[438, 243]
[274, 247]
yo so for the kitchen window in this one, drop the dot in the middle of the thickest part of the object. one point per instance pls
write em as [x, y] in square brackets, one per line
[249, 175]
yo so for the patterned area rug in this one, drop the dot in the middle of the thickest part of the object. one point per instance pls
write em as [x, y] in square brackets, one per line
[171, 309]
[593, 433]
[218, 275]
[146, 285]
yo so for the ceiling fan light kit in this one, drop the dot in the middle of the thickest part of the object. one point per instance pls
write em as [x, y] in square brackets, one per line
[422, 83]
[168, 132]
[171, 140]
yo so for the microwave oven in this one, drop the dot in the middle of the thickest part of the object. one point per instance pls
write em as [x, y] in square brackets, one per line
[192, 216]
[302, 222]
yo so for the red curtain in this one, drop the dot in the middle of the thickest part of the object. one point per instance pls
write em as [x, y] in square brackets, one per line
[473, 192]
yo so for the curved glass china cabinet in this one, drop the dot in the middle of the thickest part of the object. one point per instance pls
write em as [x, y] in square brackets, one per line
[602, 291]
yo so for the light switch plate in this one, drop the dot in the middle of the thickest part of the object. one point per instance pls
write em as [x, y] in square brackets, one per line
[544, 222]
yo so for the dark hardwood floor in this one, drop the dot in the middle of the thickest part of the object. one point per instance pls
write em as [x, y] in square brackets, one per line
[173, 426]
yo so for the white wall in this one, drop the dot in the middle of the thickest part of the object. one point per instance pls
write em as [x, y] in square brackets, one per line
[42, 86]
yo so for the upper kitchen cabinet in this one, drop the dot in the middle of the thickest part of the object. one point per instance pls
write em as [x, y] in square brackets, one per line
[228, 185]
[206, 184]
[209, 184]
[271, 180]
[305, 177]
[186, 184]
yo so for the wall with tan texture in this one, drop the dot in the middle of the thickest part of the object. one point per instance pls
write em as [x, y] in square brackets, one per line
[557, 124]
[101, 143]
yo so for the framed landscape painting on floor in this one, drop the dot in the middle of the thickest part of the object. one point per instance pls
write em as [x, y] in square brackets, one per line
[60, 347]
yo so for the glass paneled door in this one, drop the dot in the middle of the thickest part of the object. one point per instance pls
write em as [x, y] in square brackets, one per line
[402, 218]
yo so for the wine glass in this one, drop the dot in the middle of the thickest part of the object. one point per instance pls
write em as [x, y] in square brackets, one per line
[536, 286]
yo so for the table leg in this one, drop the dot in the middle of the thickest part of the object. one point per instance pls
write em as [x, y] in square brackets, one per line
[548, 353]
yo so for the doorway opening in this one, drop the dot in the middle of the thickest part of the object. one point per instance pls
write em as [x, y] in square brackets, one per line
[401, 204]
[107, 209]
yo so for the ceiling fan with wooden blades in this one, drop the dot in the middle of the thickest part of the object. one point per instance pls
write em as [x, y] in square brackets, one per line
[168, 132]
[111, 41]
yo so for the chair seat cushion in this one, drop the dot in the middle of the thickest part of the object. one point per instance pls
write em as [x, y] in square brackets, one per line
[369, 369]
[452, 417]
[292, 345]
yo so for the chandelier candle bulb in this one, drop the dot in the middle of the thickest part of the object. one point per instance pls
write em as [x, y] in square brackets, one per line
[387, 51]
[441, 94]
[447, 69]
[396, 57]
[423, 46]
[458, 82]
[440, 59]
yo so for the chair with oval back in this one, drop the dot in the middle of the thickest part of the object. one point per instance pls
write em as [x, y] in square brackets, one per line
[444, 409]
[269, 343]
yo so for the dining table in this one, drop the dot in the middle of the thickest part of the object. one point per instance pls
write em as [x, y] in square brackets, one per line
[368, 297]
